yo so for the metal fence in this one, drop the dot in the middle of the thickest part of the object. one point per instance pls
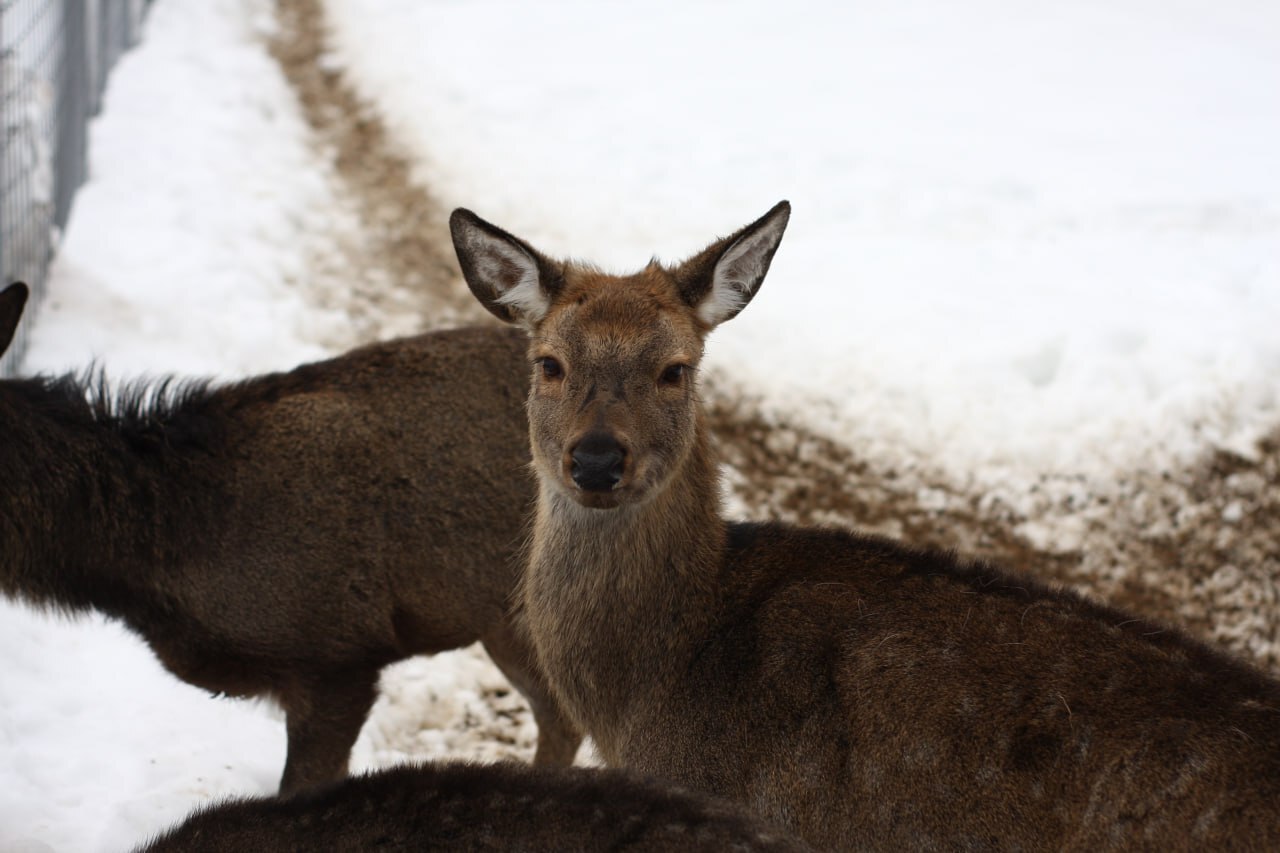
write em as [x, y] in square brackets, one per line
[54, 59]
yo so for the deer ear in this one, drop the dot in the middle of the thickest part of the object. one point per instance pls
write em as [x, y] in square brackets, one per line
[12, 300]
[720, 280]
[507, 275]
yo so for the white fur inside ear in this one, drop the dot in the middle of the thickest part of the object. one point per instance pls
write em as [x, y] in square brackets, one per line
[527, 297]
[739, 272]
[513, 275]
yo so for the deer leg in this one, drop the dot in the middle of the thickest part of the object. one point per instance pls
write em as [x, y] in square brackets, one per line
[558, 737]
[323, 719]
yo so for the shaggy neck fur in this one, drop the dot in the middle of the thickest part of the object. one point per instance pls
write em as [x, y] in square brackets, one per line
[618, 599]
[86, 517]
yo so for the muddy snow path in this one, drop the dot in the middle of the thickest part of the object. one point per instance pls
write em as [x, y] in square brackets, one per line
[1197, 547]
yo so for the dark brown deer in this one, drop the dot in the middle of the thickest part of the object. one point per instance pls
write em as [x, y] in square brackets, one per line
[289, 535]
[479, 807]
[862, 692]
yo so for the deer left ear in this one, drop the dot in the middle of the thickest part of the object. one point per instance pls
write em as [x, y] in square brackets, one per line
[509, 277]
[719, 281]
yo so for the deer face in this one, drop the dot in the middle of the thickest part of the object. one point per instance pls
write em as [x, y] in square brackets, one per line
[613, 403]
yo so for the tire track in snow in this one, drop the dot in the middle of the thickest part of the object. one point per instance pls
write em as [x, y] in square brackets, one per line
[405, 253]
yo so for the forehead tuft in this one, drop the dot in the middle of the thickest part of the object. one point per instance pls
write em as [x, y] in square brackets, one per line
[624, 312]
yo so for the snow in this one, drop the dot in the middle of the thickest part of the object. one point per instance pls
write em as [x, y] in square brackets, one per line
[1025, 238]
[201, 191]
[101, 747]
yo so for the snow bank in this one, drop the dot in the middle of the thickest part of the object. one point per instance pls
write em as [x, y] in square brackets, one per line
[1025, 238]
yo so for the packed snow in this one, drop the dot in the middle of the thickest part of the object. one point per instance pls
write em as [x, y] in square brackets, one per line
[1026, 238]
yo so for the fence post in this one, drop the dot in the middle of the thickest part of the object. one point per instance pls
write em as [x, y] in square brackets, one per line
[73, 112]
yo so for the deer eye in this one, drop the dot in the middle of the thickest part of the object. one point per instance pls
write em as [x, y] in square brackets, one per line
[673, 374]
[551, 368]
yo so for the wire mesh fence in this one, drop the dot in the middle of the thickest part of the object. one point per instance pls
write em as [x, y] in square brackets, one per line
[54, 59]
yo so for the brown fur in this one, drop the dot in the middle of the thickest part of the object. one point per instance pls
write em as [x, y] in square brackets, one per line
[479, 807]
[288, 535]
[864, 693]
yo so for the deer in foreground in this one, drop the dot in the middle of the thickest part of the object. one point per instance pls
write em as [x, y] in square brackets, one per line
[479, 807]
[289, 535]
[863, 693]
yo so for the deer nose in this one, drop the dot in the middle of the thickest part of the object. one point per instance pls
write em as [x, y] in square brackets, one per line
[597, 462]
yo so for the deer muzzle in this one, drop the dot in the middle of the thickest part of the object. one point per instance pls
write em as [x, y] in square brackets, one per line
[598, 462]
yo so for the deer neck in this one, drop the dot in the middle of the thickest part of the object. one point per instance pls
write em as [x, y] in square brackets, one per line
[619, 599]
[81, 516]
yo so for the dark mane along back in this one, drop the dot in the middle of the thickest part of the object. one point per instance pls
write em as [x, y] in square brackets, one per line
[147, 413]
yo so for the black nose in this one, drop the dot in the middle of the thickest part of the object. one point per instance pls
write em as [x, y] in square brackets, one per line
[597, 462]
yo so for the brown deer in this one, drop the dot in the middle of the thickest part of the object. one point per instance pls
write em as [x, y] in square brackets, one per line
[864, 693]
[479, 807]
[289, 535]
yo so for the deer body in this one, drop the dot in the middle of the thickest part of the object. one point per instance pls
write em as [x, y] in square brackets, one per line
[289, 535]
[863, 693]
[480, 807]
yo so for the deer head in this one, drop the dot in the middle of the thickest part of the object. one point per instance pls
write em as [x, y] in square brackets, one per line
[613, 404]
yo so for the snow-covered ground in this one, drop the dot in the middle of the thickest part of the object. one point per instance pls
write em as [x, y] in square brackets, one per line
[1027, 237]
[1024, 234]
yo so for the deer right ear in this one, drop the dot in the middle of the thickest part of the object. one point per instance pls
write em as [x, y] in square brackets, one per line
[12, 300]
[509, 277]
[720, 280]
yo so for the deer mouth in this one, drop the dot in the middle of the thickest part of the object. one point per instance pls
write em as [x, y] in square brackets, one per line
[603, 493]
[597, 500]
[628, 490]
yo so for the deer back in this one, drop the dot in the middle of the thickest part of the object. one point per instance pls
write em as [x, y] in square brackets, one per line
[477, 807]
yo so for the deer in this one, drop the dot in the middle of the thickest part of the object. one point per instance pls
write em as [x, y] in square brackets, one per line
[289, 535]
[861, 692]
[463, 806]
